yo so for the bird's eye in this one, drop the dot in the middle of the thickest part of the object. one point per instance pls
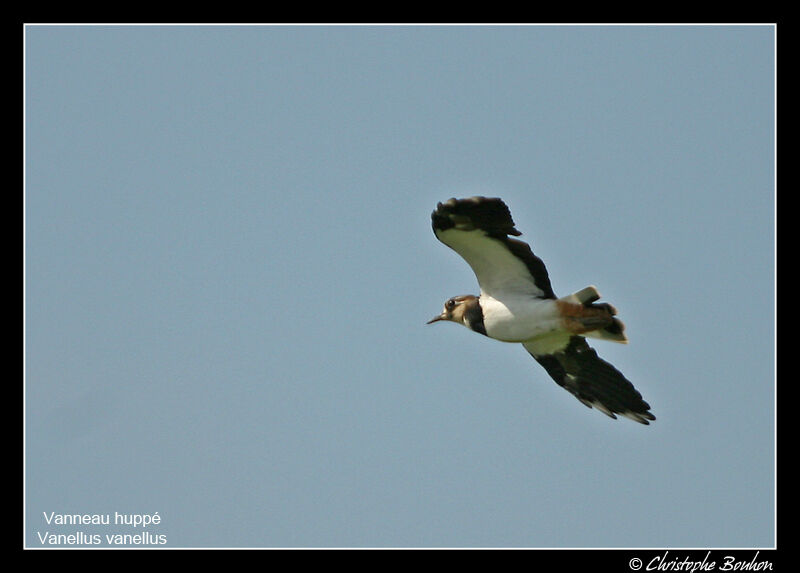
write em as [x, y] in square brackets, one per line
[450, 304]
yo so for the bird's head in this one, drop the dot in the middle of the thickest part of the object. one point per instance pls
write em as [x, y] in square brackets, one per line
[455, 309]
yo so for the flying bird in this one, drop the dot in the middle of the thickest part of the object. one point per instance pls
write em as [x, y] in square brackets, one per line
[517, 304]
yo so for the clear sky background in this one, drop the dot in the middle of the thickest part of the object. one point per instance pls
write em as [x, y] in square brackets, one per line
[229, 266]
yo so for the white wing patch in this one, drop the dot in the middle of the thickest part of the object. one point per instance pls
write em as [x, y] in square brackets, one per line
[497, 269]
[548, 344]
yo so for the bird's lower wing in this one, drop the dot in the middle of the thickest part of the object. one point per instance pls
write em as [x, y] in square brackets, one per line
[596, 383]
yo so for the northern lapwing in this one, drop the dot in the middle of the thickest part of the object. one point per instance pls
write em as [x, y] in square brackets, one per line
[517, 304]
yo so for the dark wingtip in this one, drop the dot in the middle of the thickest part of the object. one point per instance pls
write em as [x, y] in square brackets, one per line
[488, 213]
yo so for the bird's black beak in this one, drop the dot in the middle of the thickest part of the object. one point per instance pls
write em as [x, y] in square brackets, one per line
[435, 319]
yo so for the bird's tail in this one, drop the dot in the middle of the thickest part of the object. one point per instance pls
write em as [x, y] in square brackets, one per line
[593, 319]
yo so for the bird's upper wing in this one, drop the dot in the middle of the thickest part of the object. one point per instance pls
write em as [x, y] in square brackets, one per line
[577, 368]
[478, 229]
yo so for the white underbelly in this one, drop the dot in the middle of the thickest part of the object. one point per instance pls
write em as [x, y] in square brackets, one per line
[519, 319]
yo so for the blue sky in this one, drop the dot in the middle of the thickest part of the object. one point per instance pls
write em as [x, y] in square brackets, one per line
[229, 266]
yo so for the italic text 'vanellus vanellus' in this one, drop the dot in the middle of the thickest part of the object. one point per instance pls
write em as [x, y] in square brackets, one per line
[517, 304]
